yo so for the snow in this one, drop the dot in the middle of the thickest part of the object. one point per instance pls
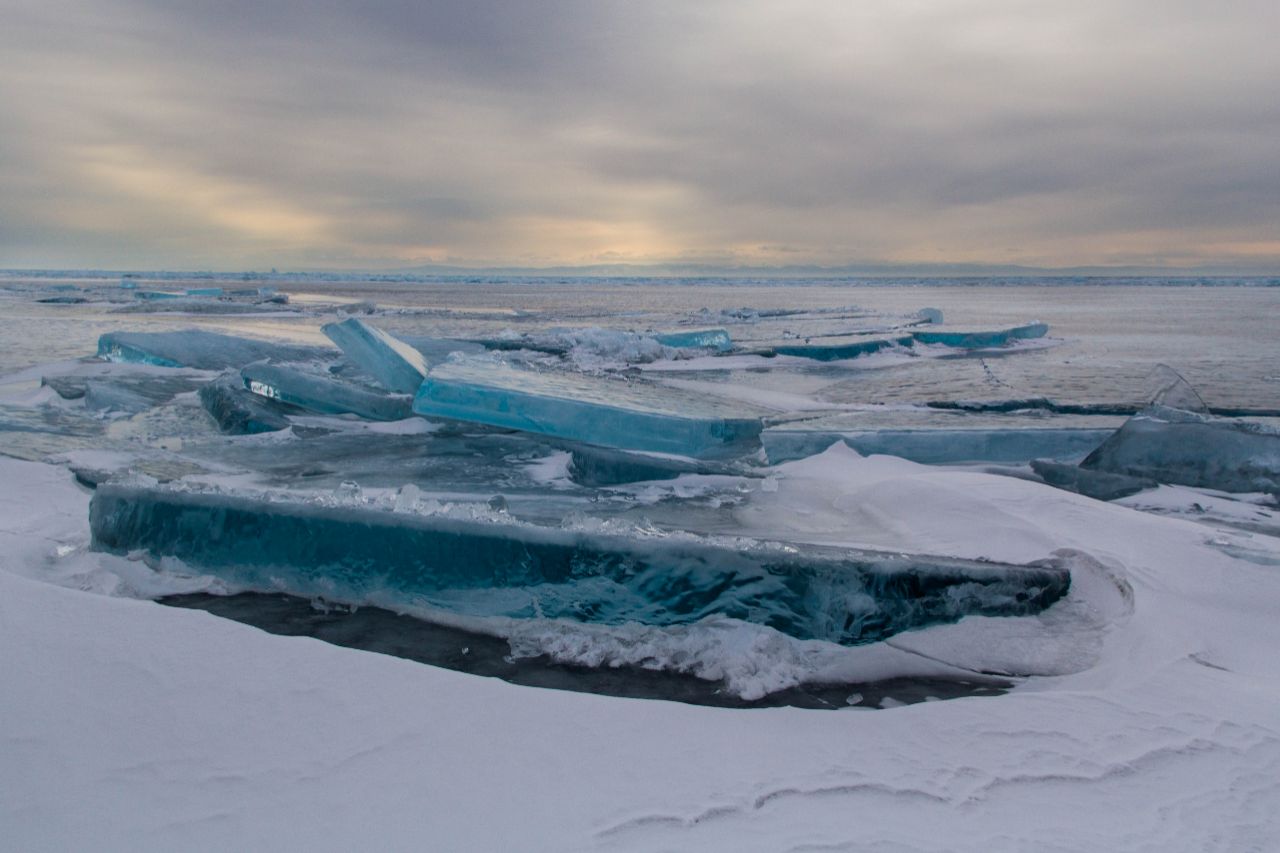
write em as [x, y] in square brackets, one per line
[128, 725]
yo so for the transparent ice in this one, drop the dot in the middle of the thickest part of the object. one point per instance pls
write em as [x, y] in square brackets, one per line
[320, 394]
[394, 363]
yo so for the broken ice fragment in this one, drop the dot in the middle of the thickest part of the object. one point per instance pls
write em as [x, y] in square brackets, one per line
[204, 291]
[392, 362]
[839, 349]
[318, 394]
[595, 410]
[237, 411]
[930, 315]
[1190, 449]
[199, 349]
[501, 567]
[152, 295]
[715, 339]
[937, 437]
[1101, 485]
[603, 466]
[1167, 388]
[979, 338]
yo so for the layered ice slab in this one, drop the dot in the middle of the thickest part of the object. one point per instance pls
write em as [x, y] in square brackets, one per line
[840, 348]
[237, 411]
[199, 349]
[511, 569]
[714, 339]
[594, 410]
[321, 395]
[934, 436]
[394, 363]
[1191, 449]
[980, 338]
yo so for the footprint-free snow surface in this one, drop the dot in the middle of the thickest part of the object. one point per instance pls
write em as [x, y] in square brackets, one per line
[813, 494]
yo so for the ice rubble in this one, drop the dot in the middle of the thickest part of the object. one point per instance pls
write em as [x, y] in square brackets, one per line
[604, 411]
[494, 567]
[395, 364]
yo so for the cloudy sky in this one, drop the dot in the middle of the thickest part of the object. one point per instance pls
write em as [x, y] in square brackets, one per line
[388, 133]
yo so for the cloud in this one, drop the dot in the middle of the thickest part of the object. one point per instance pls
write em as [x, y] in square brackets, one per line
[246, 134]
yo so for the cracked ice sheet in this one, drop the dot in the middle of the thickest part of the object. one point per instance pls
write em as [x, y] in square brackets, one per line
[1168, 741]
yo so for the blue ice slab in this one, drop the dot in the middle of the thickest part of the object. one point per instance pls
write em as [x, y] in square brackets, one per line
[1191, 449]
[152, 295]
[839, 349]
[936, 437]
[511, 569]
[237, 411]
[605, 466]
[980, 338]
[595, 410]
[321, 395]
[714, 339]
[1101, 485]
[204, 291]
[392, 362]
[199, 349]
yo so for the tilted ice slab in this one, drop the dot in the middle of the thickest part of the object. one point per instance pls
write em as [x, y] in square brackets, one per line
[394, 363]
[200, 349]
[318, 394]
[238, 411]
[511, 569]
[1190, 449]
[942, 436]
[595, 410]
[840, 348]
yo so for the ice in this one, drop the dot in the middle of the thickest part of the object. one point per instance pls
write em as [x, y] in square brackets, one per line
[1167, 388]
[319, 394]
[715, 339]
[595, 410]
[152, 295]
[839, 349]
[1191, 449]
[395, 364]
[602, 466]
[204, 291]
[200, 349]
[493, 566]
[980, 338]
[943, 436]
[237, 411]
[930, 315]
[1095, 484]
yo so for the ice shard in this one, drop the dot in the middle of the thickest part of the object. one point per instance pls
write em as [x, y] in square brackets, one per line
[713, 339]
[322, 395]
[1166, 387]
[394, 363]
[1191, 449]
[199, 349]
[512, 569]
[980, 338]
[595, 410]
[237, 411]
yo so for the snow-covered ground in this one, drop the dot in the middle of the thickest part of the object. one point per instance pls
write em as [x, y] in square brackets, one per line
[1154, 723]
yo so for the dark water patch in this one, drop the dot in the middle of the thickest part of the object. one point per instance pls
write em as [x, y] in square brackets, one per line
[374, 629]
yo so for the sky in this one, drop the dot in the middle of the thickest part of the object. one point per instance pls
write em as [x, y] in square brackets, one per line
[242, 134]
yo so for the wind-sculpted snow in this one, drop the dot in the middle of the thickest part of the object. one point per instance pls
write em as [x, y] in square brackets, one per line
[604, 411]
[497, 567]
[320, 394]
[1186, 448]
[199, 349]
[394, 363]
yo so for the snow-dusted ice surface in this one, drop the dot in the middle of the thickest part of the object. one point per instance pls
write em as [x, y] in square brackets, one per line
[1143, 705]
